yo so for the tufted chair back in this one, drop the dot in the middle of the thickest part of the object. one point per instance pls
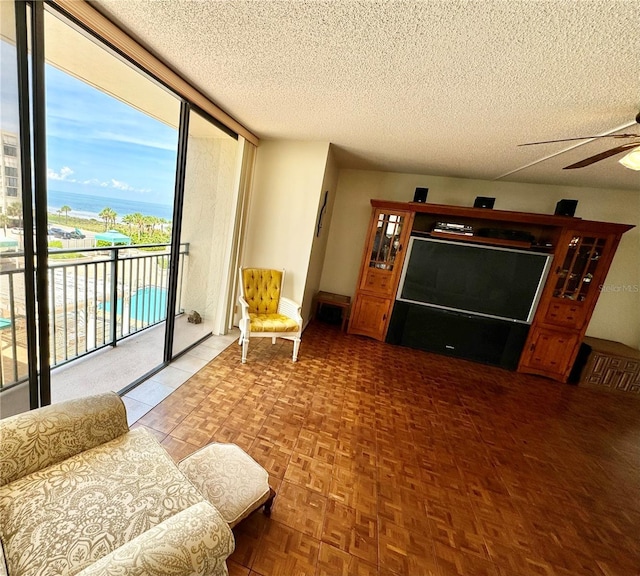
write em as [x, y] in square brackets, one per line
[261, 289]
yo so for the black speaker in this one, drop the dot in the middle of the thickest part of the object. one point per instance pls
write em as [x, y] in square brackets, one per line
[579, 364]
[566, 207]
[484, 202]
[421, 195]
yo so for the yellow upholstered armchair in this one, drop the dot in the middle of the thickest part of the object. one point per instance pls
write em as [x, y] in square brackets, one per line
[265, 312]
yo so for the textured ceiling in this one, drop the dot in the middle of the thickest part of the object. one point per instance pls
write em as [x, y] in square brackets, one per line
[446, 87]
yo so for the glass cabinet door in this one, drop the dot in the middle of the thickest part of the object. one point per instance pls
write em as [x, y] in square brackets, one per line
[386, 242]
[580, 263]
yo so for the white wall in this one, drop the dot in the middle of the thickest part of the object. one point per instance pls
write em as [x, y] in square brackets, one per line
[321, 236]
[287, 186]
[207, 223]
[617, 314]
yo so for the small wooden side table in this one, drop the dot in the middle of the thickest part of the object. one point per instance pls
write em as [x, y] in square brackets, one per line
[336, 300]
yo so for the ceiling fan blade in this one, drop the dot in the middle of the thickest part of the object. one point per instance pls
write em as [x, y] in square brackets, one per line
[602, 156]
[582, 138]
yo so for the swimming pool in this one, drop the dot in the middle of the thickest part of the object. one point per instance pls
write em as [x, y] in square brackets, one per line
[147, 305]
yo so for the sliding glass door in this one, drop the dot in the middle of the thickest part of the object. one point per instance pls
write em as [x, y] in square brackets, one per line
[119, 212]
[111, 153]
[206, 231]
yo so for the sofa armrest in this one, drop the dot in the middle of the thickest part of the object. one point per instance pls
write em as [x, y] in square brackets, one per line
[193, 542]
[34, 440]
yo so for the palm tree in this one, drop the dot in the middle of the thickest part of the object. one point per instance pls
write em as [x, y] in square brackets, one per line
[4, 220]
[138, 220]
[150, 223]
[14, 211]
[66, 209]
[109, 216]
[104, 215]
[163, 222]
[129, 220]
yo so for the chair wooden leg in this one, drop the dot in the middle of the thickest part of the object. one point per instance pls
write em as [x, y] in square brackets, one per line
[296, 347]
[269, 502]
[245, 349]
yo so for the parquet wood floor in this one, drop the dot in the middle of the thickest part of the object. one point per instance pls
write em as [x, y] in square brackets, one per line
[389, 462]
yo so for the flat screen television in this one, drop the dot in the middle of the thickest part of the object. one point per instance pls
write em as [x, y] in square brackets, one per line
[489, 281]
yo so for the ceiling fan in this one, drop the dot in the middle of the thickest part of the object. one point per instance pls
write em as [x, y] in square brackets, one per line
[630, 160]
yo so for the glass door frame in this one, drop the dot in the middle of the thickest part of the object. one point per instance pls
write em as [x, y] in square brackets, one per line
[186, 109]
[29, 21]
[178, 198]
[31, 114]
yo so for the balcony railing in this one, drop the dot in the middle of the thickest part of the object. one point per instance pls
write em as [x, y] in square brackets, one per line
[97, 297]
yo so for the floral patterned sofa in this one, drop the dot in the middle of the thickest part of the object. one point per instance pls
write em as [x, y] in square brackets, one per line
[80, 493]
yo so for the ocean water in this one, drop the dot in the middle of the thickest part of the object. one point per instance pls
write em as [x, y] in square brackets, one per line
[87, 206]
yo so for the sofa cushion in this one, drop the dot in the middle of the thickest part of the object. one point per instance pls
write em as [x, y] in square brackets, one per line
[228, 478]
[49, 435]
[194, 542]
[272, 323]
[62, 518]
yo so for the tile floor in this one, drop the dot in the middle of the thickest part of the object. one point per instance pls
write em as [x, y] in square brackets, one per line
[151, 392]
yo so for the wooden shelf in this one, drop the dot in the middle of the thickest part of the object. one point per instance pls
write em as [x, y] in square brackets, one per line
[509, 216]
[481, 239]
[558, 325]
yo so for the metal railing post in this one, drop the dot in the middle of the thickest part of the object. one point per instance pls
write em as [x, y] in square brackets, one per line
[78, 274]
[114, 295]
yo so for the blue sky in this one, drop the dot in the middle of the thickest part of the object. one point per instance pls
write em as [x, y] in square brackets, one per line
[99, 145]
[96, 144]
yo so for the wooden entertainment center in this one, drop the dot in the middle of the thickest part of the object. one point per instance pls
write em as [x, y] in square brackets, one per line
[582, 252]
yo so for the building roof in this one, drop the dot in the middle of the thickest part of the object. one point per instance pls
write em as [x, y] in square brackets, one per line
[113, 237]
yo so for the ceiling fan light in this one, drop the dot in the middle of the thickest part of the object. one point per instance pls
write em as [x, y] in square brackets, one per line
[632, 159]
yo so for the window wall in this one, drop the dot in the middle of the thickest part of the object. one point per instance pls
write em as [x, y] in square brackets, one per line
[111, 153]
[133, 229]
